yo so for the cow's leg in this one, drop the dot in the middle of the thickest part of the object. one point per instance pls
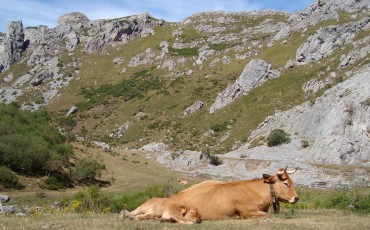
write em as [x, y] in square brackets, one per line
[131, 215]
[254, 214]
[174, 219]
[145, 216]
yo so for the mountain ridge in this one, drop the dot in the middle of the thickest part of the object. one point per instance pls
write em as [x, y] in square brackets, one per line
[134, 79]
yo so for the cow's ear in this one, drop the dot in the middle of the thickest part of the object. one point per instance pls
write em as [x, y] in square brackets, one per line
[266, 176]
[268, 179]
[183, 210]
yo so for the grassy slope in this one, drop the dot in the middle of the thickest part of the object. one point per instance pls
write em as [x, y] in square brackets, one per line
[163, 108]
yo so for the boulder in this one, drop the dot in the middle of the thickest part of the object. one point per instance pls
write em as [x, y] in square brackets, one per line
[254, 74]
[193, 108]
[40, 78]
[72, 110]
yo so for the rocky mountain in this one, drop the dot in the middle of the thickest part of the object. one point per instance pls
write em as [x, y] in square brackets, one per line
[217, 82]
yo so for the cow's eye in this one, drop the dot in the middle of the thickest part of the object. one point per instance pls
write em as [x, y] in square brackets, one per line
[286, 184]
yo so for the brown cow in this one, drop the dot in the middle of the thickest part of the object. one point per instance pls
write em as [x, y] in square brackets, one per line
[166, 210]
[217, 200]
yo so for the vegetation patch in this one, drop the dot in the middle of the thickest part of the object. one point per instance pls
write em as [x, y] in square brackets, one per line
[214, 160]
[135, 87]
[184, 51]
[86, 170]
[304, 144]
[8, 179]
[222, 46]
[257, 142]
[277, 137]
[31, 145]
[355, 200]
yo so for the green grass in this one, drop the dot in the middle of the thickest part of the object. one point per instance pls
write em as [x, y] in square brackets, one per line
[184, 51]
[316, 219]
[356, 200]
[135, 87]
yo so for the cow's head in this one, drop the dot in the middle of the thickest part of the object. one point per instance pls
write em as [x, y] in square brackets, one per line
[283, 185]
[191, 214]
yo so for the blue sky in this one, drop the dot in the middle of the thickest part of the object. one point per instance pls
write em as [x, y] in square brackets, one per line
[46, 12]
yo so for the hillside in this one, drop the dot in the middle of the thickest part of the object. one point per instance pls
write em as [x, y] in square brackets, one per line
[216, 83]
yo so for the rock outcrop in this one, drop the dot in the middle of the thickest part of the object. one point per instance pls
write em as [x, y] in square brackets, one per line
[254, 74]
[337, 124]
[326, 40]
[12, 46]
[322, 10]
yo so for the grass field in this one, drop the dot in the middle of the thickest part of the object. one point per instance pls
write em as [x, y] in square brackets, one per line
[301, 219]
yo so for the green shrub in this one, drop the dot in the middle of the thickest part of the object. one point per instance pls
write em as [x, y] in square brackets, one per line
[56, 182]
[93, 200]
[214, 160]
[277, 137]
[29, 144]
[86, 170]
[219, 127]
[8, 179]
[305, 144]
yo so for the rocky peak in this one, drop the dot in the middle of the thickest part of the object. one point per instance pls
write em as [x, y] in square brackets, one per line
[13, 45]
[73, 19]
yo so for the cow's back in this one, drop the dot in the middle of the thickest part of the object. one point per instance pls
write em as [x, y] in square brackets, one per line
[201, 185]
[220, 200]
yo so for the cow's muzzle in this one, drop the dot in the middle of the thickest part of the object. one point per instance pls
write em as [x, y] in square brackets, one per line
[295, 200]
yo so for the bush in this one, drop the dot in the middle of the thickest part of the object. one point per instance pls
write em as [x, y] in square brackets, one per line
[55, 183]
[304, 144]
[277, 137]
[86, 170]
[8, 179]
[93, 200]
[29, 144]
[217, 128]
[214, 160]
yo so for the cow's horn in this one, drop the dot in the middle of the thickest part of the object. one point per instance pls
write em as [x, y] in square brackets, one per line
[281, 171]
[293, 171]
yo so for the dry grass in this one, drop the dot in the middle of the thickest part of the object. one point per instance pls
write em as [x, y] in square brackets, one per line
[307, 219]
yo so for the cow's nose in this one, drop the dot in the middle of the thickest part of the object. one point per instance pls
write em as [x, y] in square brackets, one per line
[296, 199]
